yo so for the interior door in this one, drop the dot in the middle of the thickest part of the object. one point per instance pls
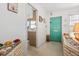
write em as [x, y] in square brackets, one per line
[56, 29]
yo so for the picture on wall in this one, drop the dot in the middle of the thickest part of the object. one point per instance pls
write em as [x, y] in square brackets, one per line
[13, 7]
[40, 19]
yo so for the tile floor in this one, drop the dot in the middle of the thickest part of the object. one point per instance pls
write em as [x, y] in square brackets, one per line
[48, 49]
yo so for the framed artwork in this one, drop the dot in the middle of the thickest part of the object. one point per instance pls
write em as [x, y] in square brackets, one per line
[13, 7]
[40, 19]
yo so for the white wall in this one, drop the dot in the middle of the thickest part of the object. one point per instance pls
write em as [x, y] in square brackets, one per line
[48, 25]
[29, 11]
[12, 25]
[65, 18]
[41, 30]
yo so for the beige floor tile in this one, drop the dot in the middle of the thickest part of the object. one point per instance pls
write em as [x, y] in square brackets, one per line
[48, 49]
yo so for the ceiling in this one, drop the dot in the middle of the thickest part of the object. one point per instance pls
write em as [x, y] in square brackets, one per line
[58, 6]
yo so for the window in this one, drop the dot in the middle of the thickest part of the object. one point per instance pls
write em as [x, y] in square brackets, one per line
[73, 20]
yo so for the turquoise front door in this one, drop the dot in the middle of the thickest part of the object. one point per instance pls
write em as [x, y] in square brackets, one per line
[56, 29]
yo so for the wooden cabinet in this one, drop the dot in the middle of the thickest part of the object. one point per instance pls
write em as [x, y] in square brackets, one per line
[32, 38]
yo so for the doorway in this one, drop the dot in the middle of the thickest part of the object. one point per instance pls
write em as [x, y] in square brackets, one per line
[56, 29]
